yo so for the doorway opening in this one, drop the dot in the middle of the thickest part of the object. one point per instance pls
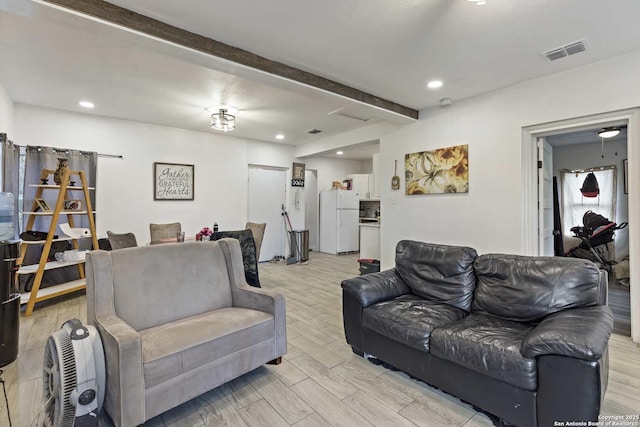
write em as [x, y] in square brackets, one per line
[570, 158]
[565, 146]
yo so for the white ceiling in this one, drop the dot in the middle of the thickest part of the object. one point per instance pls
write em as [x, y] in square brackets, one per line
[386, 48]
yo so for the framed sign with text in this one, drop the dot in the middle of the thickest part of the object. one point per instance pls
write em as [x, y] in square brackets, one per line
[172, 181]
[297, 175]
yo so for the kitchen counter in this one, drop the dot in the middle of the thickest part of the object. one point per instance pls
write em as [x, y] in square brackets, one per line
[370, 224]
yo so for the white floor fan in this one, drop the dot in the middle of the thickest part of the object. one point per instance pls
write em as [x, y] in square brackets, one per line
[73, 376]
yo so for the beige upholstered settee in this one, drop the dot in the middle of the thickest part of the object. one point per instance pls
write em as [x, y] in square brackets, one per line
[177, 320]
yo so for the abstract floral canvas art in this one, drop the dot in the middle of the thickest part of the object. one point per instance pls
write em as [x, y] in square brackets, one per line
[445, 170]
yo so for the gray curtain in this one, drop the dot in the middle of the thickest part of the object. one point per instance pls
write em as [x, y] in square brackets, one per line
[10, 175]
[37, 159]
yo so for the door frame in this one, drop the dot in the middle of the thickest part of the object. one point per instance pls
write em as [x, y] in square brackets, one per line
[285, 193]
[545, 191]
[530, 217]
[312, 194]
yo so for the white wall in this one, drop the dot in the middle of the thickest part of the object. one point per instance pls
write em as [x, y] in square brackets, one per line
[125, 186]
[270, 154]
[357, 136]
[280, 156]
[330, 170]
[490, 217]
[220, 167]
[6, 113]
[283, 156]
[366, 166]
[582, 156]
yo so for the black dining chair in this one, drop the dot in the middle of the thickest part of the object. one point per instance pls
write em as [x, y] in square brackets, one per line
[248, 248]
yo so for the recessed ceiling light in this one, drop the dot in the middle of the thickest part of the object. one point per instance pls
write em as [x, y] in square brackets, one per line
[86, 104]
[339, 153]
[279, 136]
[434, 84]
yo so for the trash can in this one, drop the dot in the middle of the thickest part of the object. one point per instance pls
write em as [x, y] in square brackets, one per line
[369, 266]
[9, 303]
[299, 239]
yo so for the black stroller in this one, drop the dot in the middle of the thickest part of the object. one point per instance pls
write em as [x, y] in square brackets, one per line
[597, 232]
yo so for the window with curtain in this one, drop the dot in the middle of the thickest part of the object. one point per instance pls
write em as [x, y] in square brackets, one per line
[35, 160]
[574, 205]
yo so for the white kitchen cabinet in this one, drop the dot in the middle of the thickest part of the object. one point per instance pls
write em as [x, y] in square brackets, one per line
[362, 183]
[370, 241]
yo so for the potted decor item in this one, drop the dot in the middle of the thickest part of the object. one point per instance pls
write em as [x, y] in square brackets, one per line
[63, 165]
[204, 234]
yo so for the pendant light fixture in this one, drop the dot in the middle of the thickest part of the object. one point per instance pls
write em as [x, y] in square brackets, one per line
[224, 119]
[609, 132]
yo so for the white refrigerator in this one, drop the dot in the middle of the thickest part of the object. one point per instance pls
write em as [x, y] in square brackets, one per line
[339, 216]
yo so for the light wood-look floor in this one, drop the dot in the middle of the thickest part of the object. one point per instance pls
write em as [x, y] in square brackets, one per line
[320, 382]
[620, 302]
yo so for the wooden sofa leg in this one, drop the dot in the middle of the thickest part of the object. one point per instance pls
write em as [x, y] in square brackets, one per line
[275, 361]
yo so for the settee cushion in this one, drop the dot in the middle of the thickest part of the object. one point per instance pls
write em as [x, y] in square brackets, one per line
[160, 284]
[527, 289]
[439, 273]
[170, 350]
[488, 345]
[409, 319]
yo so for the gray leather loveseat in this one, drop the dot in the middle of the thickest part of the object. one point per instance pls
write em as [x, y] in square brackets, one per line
[177, 320]
[523, 338]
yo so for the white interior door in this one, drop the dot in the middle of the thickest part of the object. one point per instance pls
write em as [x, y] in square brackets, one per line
[545, 198]
[267, 189]
[311, 207]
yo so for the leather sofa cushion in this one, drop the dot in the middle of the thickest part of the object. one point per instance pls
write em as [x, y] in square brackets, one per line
[581, 333]
[488, 345]
[527, 289]
[174, 348]
[439, 273]
[409, 319]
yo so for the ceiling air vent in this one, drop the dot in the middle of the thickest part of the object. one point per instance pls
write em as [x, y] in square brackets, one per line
[552, 55]
[574, 48]
[313, 131]
[561, 52]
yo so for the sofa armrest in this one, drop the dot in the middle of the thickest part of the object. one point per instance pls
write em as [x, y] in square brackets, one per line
[260, 299]
[246, 296]
[268, 301]
[124, 397]
[582, 333]
[375, 287]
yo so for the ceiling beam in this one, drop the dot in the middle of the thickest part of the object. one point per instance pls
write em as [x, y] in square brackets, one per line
[134, 21]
